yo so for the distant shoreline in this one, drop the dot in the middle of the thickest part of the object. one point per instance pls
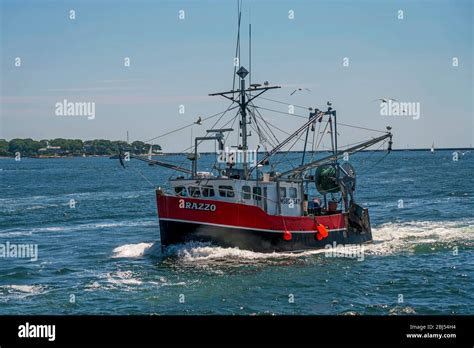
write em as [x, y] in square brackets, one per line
[210, 153]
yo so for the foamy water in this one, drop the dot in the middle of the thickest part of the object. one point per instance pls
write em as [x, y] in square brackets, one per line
[388, 239]
[18, 292]
[132, 250]
[392, 238]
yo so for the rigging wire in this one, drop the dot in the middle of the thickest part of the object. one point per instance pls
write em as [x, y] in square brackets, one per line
[191, 124]
[286, 153]
[281, 112]
[352, 126]
[269, 134]
[307, 108]
[262, 137]
[190, 147]
[222, 115]
[265, 122]
[365, 162]
[143, 176]
[287, 104]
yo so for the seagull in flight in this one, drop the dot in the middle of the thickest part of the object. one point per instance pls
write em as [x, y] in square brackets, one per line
[300, 89]
[328, 132]
[385, 99]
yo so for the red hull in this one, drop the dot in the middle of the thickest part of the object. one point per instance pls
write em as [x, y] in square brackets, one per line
[184, 219]
[237, 215]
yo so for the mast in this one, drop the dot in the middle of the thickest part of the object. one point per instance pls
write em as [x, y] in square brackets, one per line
[243, 101]
[242, 72]
[250, 53]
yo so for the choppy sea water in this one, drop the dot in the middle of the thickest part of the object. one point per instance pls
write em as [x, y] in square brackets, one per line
[104, 255]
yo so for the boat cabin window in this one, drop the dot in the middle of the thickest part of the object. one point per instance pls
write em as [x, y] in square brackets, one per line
[282, 192]
[257, 193]
[181, 191]
[246, 192]
[293, 193]
[207, 191]
[226, 191]
[194, 191]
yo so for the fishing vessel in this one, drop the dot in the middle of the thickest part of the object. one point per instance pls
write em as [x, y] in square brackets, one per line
[246, 200]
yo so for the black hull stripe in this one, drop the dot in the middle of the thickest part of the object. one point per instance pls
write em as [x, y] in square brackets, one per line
[175, 232]
[245, 228]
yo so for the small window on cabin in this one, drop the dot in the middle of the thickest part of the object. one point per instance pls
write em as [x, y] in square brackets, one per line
[282, 192]
[207, 191]
[194, 191]
[226, 191]
[257, 193]
[246, 192]
[181, 191]
[293, 193]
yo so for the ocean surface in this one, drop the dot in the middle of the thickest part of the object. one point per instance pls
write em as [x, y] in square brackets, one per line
[103, 255]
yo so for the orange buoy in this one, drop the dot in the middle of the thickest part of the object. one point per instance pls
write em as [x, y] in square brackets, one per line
[322, 232]
[287, 235]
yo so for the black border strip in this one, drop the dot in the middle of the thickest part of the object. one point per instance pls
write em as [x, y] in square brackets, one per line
[224, 330]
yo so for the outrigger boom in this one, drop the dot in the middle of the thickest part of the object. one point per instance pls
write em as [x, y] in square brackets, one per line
[340, 154]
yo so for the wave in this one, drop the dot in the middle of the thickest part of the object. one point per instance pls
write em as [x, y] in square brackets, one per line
[130, 281]
[392, 237]
[78, 227]
[20, 291]
[132, 250]
[123, 278]
[199, 251]
[388, 239]
[53, 201]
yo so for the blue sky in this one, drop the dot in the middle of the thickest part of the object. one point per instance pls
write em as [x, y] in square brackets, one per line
[178, 62]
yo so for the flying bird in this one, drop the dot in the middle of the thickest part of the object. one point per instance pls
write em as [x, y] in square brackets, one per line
[328, 132]
[300, 89]
[385, 99]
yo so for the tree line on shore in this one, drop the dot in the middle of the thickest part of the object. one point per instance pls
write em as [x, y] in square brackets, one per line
[71, 147]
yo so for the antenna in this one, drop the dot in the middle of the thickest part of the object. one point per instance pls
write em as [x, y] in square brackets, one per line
[237, 47]
[250, 51]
